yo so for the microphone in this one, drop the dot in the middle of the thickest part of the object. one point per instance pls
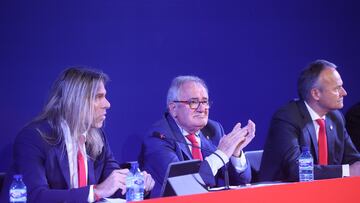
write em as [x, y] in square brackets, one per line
[226, 173]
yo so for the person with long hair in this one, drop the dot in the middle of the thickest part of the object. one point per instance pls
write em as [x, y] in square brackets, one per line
[63, 153]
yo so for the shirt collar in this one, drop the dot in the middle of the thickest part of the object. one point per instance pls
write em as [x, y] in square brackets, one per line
[185, 133]
[314, 116]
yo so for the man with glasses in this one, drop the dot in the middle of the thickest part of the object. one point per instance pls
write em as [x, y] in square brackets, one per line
[186, 133]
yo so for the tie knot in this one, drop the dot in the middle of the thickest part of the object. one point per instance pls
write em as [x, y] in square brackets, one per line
[321, 122]
[192, 138]
[195, 148]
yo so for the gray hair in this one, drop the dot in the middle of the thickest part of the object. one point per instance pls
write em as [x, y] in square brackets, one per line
[71, 100]
[177, 82]
[308, 78]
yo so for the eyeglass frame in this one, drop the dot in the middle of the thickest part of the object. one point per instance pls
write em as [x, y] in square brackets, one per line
[190, 102]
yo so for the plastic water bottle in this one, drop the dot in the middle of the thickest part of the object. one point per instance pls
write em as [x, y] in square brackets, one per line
[306, 165]
[17, 192]
[135, 184]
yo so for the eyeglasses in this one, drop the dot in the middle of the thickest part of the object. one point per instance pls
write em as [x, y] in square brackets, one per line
[194, 103]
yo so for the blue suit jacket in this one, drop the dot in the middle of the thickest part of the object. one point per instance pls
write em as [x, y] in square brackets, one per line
[292, 127]
[45, 167]
[158, 153]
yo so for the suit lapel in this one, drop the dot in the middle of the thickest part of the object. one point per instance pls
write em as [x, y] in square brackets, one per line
[91, 173]
[174, 130]
[310, 129]
[63, 161]
[207, 145]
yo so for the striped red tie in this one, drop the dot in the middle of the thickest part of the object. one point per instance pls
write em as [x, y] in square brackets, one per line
[322, 143]
[195, 150]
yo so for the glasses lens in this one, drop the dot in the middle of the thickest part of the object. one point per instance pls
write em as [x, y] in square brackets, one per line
[206, 103]
[194, 104]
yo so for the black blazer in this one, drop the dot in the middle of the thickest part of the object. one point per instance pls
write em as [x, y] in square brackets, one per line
[292, 127]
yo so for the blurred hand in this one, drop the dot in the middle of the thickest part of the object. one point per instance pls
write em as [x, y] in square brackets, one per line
[148, 181]
[251, 134]
[116, 180]
[228, 143]
[355, 169]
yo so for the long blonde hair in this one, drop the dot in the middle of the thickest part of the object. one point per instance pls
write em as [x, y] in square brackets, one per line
[71, 100]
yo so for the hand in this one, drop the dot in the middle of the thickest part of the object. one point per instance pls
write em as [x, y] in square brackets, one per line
[229, 142]
[355, 169]
[148, 181]
[116, 180]
[251, 129]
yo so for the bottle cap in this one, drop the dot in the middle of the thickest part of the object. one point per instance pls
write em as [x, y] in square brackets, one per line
[18, 176]
[305, 148]
[134, 164]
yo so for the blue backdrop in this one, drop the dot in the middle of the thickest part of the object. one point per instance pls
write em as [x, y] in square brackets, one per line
[249, 52]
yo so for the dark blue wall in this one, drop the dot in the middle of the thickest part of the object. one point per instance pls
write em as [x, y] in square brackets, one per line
[249, 52]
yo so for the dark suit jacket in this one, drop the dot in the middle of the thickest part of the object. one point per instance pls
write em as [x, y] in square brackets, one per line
[158, 153]
[353, 124]
[45, 167]
[291, 127]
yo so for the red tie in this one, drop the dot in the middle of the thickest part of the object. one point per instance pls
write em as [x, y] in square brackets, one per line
[195, 150]
[322, 143]
[81, 166]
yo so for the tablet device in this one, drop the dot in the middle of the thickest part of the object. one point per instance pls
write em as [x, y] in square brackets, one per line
[182, 178]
